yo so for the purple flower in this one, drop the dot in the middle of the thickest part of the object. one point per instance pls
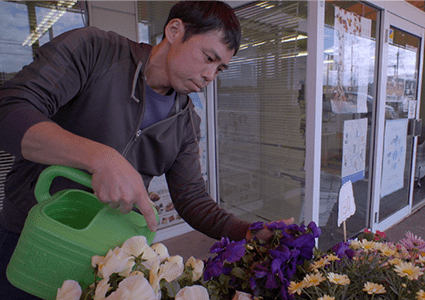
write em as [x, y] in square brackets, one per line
[252, 283]
[213, 268]
[316, 230]
[343, 249]
[277, 225]
[260, 274]
[284, 292]
[281, 252]
[297, 228]
[305, 243]
[276, 268]
[234, 251]
[291, 265]
[271, 282]
[256, 226]
[276, 265]
[260, 271]
[220, 246]
[227, 271]
[413, 242]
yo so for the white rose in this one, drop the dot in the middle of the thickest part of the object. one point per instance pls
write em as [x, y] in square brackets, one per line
[101, 289]
[135, 245]
[151, 257]
[115, 261]
[171, 269]
[70, 290]
[135, 287]
[198, 267]
[195, 292]
[242, 296]
[161, 250]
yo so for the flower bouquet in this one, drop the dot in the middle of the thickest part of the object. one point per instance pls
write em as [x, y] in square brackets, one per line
[259, 268]
[365, 268]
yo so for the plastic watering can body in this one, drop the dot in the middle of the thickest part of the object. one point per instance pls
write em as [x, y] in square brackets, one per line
[63, 231]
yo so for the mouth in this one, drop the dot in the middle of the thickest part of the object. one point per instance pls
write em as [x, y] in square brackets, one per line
[196, 86]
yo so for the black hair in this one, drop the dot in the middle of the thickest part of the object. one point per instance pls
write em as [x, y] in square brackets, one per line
[205, 16]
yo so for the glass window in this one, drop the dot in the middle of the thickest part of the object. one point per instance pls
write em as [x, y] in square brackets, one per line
[349, 93]
[261, 114]
[24, 26]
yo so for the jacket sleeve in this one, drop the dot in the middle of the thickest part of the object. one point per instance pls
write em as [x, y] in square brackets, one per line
[59, 71]
[190, 197]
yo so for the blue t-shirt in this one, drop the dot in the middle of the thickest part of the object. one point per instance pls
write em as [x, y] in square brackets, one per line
[157, 107]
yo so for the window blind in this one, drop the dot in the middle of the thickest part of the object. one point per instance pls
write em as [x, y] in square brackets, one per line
[261, 115]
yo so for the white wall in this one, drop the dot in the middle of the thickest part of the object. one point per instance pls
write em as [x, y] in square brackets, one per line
[117, 16]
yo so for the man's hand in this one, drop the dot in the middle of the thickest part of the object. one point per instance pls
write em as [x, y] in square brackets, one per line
[114, 180]
[265, 234]
[117, 183]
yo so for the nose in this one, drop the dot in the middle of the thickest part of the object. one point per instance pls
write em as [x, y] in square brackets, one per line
[209, 73]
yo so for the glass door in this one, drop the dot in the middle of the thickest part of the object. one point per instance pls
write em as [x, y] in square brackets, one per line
[401, 73]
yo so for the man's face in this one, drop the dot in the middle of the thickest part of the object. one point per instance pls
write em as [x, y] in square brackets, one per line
[193, 64]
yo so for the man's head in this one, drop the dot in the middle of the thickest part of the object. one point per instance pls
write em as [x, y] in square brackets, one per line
[200, 17]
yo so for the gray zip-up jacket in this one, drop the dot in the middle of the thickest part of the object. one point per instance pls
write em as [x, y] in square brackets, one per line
[91, 83]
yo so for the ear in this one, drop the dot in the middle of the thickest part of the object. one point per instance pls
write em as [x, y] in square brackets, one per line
[174, 30]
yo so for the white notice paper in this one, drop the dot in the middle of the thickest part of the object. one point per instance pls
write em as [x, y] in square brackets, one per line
[346, 205]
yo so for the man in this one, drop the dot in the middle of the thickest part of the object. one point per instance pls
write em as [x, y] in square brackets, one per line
[96, 101]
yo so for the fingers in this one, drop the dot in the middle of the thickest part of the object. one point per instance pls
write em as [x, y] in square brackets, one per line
[147, 212]
[288, 221]
[114, 205]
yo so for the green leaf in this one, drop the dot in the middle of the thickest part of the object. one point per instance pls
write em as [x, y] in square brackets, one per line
[238, 272]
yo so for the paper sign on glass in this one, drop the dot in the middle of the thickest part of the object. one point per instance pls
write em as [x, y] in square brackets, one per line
[346, 205]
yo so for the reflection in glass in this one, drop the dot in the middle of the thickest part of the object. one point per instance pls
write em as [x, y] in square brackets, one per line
[261, 114]
[26, 25]
[401, 89]
[348, 110]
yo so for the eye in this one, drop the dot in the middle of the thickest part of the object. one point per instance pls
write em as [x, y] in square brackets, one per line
[209, 58]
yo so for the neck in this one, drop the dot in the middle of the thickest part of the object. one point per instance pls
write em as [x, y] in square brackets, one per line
[155, 71]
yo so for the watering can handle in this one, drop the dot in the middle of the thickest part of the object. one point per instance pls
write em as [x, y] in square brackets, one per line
[42, 187]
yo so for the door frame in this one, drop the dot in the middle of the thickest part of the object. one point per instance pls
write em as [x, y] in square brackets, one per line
[390, 19]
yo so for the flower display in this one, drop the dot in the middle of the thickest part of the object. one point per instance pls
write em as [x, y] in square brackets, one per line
[287, 267]
[259, 268]
[365, 268]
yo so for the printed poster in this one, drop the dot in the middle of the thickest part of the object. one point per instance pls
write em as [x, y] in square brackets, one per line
[352, 51]
[394, 156]
[158, 189]
[354, 150]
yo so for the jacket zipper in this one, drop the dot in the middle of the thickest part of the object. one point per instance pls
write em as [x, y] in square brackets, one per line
[140, 131]
[132, 141]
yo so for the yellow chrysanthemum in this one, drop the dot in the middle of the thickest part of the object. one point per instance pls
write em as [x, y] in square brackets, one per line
[295, 287]
[313, 279]
[355, 244]
[374, 288]
[386, 250]
[420, 295]
[408, 269]
[319, 264]
[326, 297]
[367, 245]
[332, 257]
[395, 261]
[338, 279]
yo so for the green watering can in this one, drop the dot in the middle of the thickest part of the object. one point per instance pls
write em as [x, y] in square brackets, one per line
[62, 232]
